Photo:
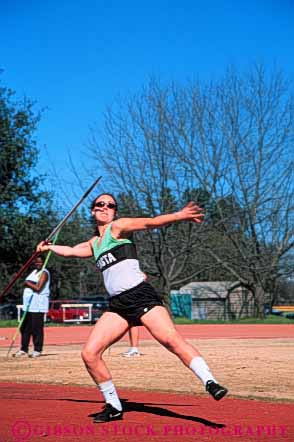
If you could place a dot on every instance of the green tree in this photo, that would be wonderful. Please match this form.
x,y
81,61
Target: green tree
x,y
26,214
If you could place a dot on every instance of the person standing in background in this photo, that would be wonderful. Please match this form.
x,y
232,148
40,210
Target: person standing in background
x,y
134,339
35,305
134,343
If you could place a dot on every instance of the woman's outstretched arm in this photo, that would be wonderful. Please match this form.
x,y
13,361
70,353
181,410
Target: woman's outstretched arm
x,y
191,212
82,250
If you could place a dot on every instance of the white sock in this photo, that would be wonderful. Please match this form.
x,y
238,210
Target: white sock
x,y
201,369
110,395
133,350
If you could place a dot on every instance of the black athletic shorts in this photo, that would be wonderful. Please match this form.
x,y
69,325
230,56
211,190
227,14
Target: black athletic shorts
x,y
134,303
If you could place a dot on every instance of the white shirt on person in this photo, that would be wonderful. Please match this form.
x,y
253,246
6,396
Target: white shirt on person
x,y
40,300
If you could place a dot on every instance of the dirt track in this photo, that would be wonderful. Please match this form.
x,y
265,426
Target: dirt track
x,y
250,368
252,361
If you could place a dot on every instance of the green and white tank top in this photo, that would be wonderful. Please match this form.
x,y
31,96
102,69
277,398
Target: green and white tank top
x,y
117,259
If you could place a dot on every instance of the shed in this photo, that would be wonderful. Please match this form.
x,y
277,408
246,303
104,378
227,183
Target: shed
x,y
217,300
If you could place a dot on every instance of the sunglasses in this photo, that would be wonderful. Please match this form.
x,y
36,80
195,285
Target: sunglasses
x,y
103,204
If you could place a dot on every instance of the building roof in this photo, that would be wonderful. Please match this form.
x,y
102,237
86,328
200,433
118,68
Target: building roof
x,y
208,289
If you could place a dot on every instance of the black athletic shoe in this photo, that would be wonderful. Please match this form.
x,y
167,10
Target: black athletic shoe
x,y
216,390
109,413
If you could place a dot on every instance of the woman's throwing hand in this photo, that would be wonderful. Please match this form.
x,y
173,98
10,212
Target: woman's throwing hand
x,y
192,212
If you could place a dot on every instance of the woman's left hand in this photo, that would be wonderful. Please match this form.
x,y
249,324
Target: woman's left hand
x,y
192,212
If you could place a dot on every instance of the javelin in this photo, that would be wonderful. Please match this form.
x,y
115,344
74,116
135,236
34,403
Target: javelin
x,y
52,234
31,298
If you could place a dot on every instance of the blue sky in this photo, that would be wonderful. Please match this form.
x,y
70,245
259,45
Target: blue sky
x,y
75,57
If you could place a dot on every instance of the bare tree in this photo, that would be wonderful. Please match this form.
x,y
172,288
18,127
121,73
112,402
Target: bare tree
x,y
135,154
242,148
233,140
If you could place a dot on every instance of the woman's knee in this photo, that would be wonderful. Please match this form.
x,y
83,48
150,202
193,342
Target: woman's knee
x,y
90,356
86,356
173,341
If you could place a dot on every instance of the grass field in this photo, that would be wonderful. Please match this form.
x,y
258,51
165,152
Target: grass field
x,y
270,319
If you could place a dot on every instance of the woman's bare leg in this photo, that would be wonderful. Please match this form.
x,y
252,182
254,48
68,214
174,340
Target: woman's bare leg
x,y
108,330
160,325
